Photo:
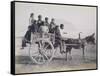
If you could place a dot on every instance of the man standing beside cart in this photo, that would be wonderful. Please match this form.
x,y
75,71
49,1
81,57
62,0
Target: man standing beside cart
x,y
32,28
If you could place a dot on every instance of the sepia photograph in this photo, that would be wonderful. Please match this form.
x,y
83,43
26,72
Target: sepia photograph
x,y
52,37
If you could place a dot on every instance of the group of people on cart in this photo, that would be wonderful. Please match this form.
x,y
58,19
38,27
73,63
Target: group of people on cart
x,y
43,26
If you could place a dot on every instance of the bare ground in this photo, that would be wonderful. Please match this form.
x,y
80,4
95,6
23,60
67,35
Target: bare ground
x,y
24,64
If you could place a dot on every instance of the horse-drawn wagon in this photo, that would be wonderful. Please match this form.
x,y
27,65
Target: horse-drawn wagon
x,y
42,49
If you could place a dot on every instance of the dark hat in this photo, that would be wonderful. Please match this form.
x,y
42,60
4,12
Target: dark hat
x,y
46,18
34,21
56,26
61,25
39,16
42,22
31,14
52,19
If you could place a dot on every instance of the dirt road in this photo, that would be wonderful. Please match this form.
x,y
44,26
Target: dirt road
x,y
25,65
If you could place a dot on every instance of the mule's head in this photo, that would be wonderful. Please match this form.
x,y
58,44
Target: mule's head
x,y
90,39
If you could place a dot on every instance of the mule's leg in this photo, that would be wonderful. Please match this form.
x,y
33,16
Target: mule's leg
x,y
83,53
68,49
66,56
83,47
66,52
70,53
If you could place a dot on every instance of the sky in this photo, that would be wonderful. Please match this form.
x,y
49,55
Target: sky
x,y
75,18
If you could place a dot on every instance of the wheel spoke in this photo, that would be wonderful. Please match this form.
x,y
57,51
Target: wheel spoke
x,y
50,52
36,56
44,54
43,58
42,45
45,48
39,59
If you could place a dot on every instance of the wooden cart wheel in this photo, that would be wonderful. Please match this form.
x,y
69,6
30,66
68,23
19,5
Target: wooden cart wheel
x,y
41,51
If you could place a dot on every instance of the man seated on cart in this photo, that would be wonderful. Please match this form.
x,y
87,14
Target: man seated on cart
x,y
52,26
31,28
34,27
39,22
63,36
59,37
46,23
43,30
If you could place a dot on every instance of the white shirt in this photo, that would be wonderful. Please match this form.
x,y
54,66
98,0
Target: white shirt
x,y
31,20
63,33
44,29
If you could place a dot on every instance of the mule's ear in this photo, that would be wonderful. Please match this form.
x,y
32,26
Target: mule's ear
x,y
93,34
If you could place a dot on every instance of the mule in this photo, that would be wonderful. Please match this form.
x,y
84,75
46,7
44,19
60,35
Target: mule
x,y
79,44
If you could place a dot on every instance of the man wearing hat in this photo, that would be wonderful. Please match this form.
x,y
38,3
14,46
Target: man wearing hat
x,y
63,36
31,19
39,21
46,23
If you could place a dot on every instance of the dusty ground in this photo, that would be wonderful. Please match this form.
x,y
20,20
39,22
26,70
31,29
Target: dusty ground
x,y
25,65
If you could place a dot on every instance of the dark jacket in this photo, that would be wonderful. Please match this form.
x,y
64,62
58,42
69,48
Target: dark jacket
x,y
39,23
28,35
57,33
34,28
